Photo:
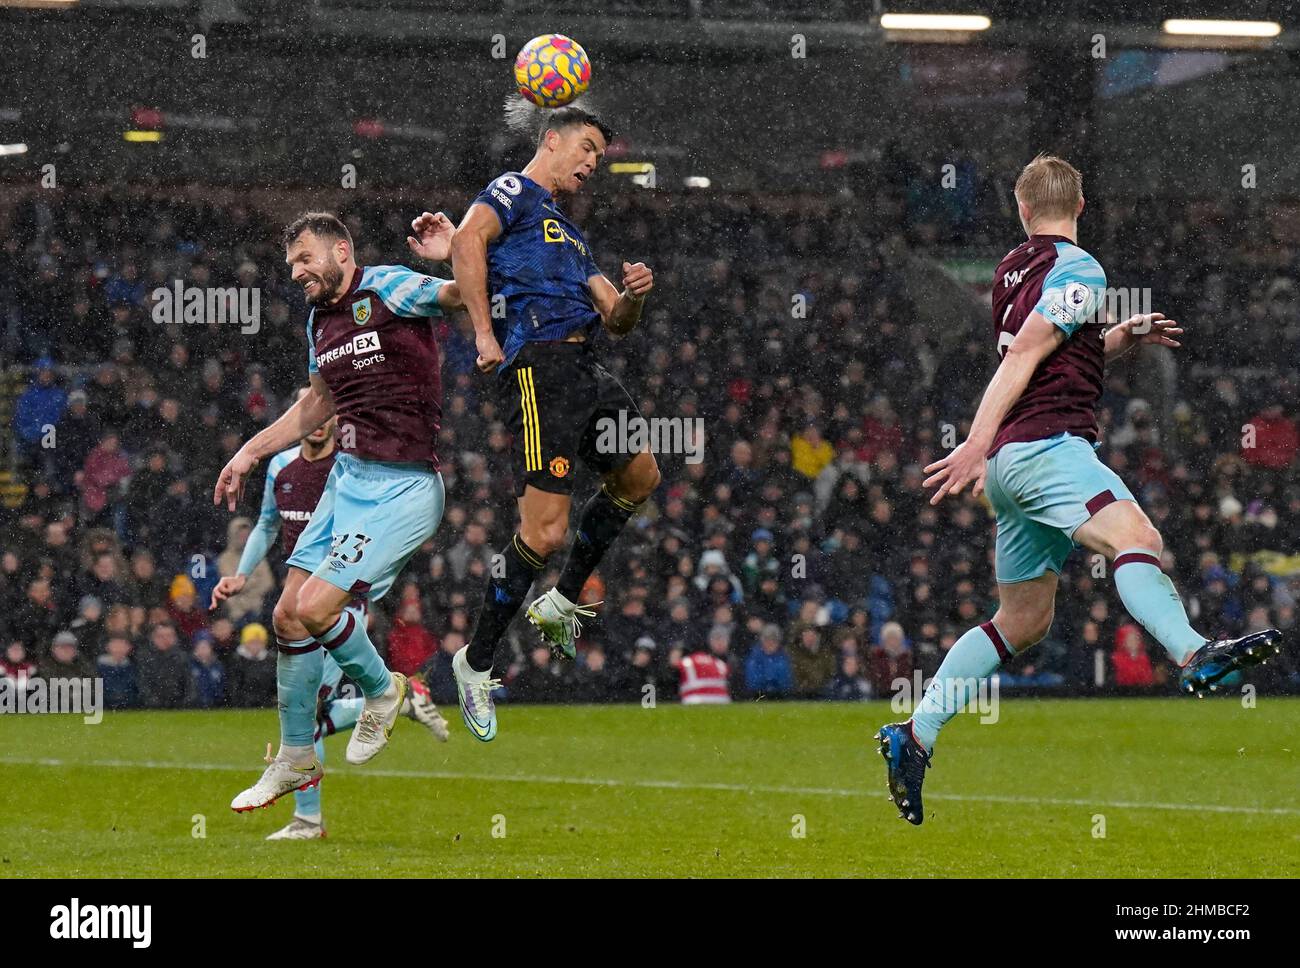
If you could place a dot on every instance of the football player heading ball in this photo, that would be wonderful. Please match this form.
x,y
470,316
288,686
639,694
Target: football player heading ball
x,y
517,244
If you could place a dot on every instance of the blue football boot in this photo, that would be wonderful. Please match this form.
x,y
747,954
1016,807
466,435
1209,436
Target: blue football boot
x,y
907,761
1215,660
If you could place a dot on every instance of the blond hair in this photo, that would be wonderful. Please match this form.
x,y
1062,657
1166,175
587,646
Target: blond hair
x,y
1050,187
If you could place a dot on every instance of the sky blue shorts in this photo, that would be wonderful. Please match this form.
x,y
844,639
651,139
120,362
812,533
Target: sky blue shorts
x,y
1042,490
371,518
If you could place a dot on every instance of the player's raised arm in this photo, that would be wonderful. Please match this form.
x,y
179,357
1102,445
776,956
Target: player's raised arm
x,y
621,311
1141,328
308,413
469,246
259,540
1037,340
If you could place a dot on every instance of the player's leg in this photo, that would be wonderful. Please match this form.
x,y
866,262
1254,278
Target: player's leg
x,y
308,822
1120,530
298,670
1023,618
627,483
382,514
605,515
1029,557
543,521
337,713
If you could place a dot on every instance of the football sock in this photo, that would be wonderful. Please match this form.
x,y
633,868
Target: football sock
x,y
297,677
306,803
1151,598
340,715
351,648
300,756
973,658
603,520
501,600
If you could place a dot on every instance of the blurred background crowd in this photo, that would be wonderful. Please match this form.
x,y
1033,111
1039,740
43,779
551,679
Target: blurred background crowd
x,y
798,559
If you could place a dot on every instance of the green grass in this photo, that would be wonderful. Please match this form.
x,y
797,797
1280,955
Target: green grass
x,y
626,791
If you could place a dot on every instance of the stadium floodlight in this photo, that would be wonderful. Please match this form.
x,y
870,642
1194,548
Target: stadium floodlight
x,y
142,136
934,21
18,149
1223,28
697,181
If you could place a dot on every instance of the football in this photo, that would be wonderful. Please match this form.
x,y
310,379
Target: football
x,y
552,70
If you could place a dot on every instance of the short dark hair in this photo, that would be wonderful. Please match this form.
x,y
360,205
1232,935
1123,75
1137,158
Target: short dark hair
x,y
327,225
569,116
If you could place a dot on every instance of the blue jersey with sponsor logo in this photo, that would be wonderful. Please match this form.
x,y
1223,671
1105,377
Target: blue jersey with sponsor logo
x,y
539,264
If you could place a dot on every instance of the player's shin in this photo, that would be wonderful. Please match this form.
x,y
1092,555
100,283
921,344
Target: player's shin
x,y
298,675
1150,597
505,592
972,659
603,520
306,803
350,646
341,715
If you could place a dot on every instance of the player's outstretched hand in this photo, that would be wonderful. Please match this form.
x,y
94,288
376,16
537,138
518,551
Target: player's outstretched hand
x,y
965,465
637,279
489,352
1151,328
230,485
432,236
228,587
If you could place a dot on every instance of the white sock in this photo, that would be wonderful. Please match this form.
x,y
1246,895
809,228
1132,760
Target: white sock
x,y
298,756
467,671
309,817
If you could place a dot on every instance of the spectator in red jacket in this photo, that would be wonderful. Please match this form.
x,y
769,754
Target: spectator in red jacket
x,y
183,608
105,469
1276,439
16,665
1131,663
410,644
889,661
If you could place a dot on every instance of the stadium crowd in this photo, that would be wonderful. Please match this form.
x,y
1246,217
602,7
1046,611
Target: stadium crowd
x,y
798,558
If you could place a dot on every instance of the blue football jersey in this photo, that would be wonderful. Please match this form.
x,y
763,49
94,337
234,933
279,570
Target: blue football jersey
x,y
540,264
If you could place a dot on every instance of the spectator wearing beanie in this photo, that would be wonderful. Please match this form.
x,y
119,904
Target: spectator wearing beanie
x,y
183,608
65,660
251,680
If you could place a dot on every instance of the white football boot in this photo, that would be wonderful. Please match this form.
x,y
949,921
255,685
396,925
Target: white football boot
x,y
280,777
299,829
474,692
556,618
370,735
419,706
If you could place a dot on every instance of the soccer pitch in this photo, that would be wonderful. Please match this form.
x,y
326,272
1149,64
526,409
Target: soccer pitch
x,y
1180,788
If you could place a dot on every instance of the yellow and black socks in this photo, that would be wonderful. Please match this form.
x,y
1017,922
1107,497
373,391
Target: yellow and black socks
x,y
511,577
603,520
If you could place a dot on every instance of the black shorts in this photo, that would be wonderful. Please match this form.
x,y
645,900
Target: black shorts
x,y
558,401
